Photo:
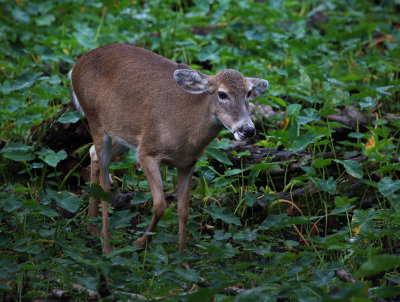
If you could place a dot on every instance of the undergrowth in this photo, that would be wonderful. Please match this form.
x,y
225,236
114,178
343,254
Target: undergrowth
x,y
316,192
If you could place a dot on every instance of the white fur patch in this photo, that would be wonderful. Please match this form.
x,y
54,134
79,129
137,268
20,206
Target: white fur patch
x,y
93,154
75,100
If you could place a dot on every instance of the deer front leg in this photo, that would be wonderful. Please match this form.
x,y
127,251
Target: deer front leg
x,y
184,183
151,167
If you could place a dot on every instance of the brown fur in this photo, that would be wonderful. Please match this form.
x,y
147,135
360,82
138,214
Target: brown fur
x,y
130,94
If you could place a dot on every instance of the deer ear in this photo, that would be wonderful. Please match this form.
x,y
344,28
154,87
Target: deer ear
x,y
191,81
256,86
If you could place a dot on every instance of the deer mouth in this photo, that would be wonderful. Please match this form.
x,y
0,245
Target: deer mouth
x,y
239,136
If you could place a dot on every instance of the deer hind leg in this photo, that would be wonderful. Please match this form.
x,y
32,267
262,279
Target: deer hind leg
x,y
151,167
101,153
93,203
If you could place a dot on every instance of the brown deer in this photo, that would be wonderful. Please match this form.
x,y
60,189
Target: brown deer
x,y
168,112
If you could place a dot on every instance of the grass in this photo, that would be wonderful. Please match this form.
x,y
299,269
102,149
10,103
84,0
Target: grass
x,y
278,227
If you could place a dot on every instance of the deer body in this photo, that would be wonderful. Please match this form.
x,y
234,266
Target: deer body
x,y
134,98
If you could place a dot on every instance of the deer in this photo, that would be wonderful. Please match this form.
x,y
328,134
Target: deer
x,y
168,112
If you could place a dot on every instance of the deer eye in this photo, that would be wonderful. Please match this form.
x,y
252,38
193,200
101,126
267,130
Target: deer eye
x,y
222,95
249,94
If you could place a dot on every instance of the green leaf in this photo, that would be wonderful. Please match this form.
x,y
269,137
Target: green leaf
x,y
121,218
221,235
293,109
335,82
68,201
245,235
50,157
387,186
385,292
377,264
328,185
383,89
255,35
140,197
188,274
321,162
224,214
352,167
209,53
368,103
275,222
10,204
250,199
307,115
302,141
89,282
48,212
70,117
25,80
97,192
218,155
18,152
223,181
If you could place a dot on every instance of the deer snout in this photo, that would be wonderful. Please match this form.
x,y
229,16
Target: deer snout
x,y
247,131
244,131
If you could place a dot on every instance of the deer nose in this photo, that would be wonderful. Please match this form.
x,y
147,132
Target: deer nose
x,y
248,131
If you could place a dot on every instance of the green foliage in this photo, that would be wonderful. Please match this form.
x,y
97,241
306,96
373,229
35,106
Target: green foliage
x,y
320,57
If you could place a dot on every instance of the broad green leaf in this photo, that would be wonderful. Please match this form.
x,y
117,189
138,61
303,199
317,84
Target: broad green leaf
x,y
233,172
377,264
10,204
25,80
68,201
383,89
245,235
293,109
223,181
321,162
70,117
368,103
387,186
352,167
335,82
250,198
275,222
50,157
188,274
221,235
328,185
209,53
218,155
48,212
121,218
255,35
302,141
224,214
97,192
18,152
323,277
89,282
140,197
307,115
385,292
